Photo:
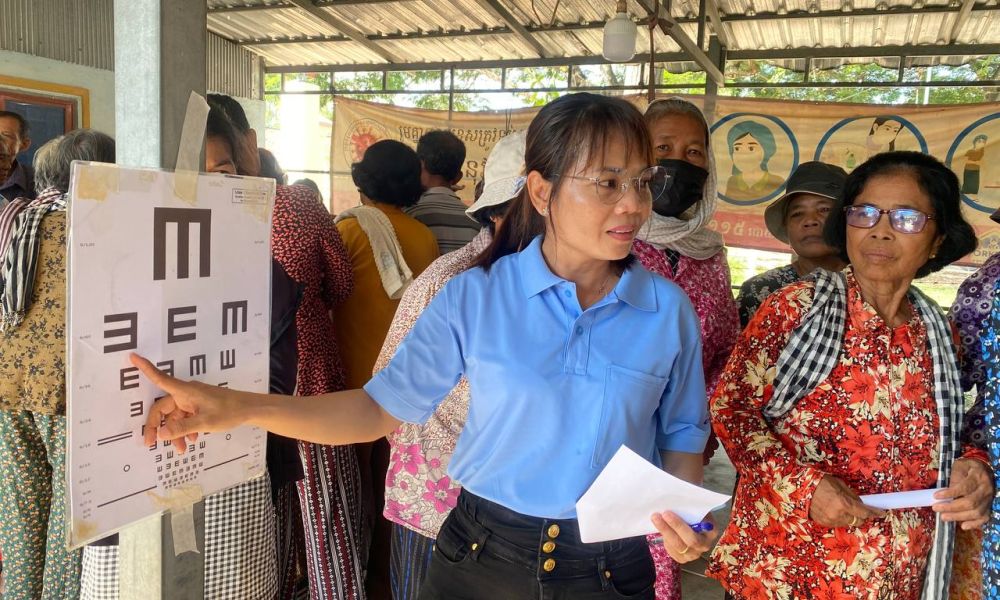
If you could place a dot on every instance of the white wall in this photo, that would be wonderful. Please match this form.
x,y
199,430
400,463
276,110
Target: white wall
x,y
99,82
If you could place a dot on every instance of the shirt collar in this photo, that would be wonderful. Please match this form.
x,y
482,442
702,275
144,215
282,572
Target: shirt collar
x,y
637,289
19,176
440,190
536,277
636,286
388,209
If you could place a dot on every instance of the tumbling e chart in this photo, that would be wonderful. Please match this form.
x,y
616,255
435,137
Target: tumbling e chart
x,y
176,268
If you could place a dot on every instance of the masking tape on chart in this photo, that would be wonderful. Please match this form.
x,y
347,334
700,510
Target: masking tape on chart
x,y
180,502
189,151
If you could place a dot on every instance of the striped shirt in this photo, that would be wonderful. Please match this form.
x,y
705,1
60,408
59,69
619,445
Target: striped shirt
x,y
441,210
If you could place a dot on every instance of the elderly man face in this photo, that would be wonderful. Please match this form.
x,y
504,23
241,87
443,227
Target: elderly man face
x,y
11,143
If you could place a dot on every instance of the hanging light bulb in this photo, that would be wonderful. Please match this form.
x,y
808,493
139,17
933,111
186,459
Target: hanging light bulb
x,y
619,36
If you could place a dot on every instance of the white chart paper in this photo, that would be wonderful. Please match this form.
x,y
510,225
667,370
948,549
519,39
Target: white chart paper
x,y
893,500
186,283
629,490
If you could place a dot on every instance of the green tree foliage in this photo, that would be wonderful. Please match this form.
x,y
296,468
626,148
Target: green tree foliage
x,y
762,72
481,89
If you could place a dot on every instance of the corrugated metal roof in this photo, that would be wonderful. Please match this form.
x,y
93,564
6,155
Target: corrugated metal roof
x,y
870,23
82,33
76,32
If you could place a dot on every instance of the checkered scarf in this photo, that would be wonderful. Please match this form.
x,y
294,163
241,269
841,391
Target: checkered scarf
x,y
813,351
19,223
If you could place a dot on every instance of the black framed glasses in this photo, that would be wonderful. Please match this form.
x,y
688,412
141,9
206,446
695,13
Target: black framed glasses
x,y
609,188
903,220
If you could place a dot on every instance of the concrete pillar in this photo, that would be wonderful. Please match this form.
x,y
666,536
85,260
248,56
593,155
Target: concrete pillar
x,y
159,60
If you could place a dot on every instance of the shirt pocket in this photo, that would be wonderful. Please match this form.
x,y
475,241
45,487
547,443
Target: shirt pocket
x,y
628,412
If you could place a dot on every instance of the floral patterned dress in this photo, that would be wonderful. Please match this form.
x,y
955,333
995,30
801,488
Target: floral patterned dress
x,y
872,423
306,243
707,284
991,384
757,288
971,313
419,493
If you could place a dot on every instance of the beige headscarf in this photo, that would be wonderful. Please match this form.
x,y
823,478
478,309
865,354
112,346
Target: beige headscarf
x,y
688,234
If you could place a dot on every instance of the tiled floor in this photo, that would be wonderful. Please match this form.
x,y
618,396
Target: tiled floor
x,y
720,477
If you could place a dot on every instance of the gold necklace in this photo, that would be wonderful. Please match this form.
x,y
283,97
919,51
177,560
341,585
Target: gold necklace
x,y
600,291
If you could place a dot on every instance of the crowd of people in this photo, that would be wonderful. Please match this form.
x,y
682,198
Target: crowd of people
x,y
446,381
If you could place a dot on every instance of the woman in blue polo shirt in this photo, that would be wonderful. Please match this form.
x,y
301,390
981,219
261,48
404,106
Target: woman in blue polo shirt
x,y
570,350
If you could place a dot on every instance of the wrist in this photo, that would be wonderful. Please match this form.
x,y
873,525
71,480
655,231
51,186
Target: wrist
x,y
256,407
981,459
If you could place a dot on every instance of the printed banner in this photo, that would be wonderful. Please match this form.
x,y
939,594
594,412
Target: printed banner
x,y
176,268
757,144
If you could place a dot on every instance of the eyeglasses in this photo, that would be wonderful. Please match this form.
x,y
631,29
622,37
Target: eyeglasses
x,y
903,220
611,187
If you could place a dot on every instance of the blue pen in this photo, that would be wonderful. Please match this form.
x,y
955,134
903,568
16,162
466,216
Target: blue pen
x,y
703,527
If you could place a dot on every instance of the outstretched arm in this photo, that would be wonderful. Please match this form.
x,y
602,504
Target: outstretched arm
x,y
191,407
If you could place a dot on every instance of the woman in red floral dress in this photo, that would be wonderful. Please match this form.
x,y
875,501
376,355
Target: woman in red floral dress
x,y
306,243
676,244
847,384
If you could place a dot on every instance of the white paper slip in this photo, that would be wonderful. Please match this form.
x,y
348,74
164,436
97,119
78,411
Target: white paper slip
x,y
914,499
629,490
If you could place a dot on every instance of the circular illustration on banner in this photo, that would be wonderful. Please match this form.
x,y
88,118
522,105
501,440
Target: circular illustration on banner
x,y
856,139
754,154
362,134
973,157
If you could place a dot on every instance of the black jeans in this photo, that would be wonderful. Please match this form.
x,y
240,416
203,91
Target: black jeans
x,y
487,552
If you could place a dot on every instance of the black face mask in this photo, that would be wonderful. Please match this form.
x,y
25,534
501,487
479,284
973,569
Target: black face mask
x,y
681,188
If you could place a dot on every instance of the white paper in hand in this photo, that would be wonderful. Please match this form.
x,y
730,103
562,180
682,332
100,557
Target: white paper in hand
x,y
894,500
629,490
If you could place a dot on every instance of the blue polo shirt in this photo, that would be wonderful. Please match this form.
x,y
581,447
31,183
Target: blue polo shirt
x,y
555,390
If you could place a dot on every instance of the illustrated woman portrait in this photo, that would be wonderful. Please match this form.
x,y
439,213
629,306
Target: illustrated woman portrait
x,y
881,137
751,146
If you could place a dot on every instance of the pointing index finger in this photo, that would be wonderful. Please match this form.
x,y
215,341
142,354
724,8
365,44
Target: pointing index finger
x,y
159,378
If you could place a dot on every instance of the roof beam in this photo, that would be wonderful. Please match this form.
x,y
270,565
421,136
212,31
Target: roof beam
x,y
879,84
322,39
418,35
517,90
288,4
717,25
516,26
670,28
355,2
734,18
866,51
249,7
856,52
963,16
558,61
834,14
343,27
